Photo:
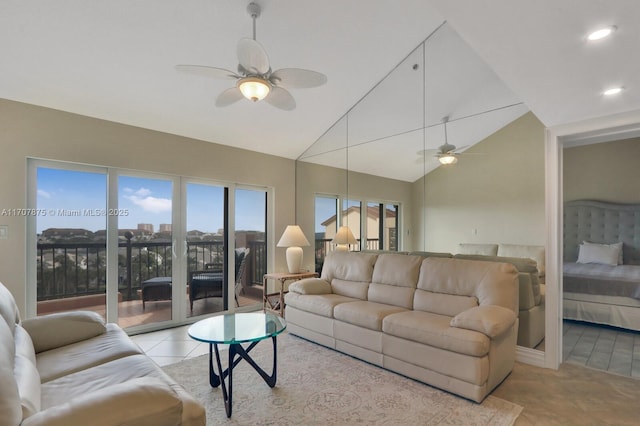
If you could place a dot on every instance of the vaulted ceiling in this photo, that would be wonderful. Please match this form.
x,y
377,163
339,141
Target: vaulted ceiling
x,y
116,60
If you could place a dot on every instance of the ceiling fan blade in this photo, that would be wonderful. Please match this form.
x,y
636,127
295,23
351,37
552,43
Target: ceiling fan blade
x,y
298,78
229,97
281,98
208,71
252,56
447,147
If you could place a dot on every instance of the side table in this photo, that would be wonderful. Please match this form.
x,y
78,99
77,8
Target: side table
x,y
274,302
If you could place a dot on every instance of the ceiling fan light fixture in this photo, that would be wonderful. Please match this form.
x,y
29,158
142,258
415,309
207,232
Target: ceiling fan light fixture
x,y
601,33
254,88
447,159
612,91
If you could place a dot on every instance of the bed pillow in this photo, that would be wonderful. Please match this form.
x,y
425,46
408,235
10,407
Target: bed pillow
x,y
598,253
617,246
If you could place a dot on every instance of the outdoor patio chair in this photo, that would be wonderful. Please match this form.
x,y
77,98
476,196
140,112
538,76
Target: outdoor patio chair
x,y
208,283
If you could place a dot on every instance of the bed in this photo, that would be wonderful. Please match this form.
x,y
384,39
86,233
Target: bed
x,y
601,271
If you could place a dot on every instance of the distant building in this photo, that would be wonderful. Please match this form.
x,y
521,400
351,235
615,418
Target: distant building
x,y
145,227
164,227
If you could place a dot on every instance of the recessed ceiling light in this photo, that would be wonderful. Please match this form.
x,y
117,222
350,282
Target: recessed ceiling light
x,y
601,33
612,91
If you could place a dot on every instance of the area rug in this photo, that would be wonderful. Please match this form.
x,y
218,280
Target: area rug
x,y
319,386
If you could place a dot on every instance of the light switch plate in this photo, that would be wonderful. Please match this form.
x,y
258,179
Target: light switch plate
x,y
4,232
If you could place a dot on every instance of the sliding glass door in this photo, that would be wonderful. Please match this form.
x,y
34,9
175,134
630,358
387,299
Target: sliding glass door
x,y
250,257
143,250
69,226
206,281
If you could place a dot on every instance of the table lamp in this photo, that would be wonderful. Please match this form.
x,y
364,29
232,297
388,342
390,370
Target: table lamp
x,y
293,238
344,237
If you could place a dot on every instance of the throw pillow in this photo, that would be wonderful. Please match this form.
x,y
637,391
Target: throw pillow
x,y
616,246
598,253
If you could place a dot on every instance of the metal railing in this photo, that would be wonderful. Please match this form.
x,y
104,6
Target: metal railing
x,y
78,269
323,247
74,269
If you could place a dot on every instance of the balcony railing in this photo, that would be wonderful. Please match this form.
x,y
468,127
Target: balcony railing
x,y
323,246
79,269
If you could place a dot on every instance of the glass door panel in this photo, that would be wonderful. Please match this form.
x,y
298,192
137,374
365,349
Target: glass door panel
x,y
71,244
351,216
391,213
326,226
382,226
205,238
145,252
251,248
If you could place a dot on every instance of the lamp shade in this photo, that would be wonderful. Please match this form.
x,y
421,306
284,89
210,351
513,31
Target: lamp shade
x,y
293,237
344,236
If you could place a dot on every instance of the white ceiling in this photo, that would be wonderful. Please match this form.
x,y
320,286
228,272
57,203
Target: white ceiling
x,y
115,59
539,49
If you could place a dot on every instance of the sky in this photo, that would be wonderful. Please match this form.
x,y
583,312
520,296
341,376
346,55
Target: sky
x,y
77,199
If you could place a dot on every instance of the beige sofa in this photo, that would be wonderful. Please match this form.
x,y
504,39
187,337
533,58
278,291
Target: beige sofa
x,y
73,369
451,323
531,293
527,251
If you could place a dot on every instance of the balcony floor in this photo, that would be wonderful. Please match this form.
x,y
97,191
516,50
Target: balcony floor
x,y
130,313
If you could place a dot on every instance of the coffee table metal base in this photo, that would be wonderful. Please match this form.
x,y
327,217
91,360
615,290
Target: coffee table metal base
x,y
216,380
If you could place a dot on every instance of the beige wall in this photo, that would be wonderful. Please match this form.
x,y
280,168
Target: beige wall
x,y
499,195
604,172
30,131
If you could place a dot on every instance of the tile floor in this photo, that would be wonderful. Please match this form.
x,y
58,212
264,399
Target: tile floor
x,y
169,346
602,347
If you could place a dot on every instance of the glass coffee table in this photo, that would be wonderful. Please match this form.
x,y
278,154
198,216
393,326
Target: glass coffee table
x,y
235,329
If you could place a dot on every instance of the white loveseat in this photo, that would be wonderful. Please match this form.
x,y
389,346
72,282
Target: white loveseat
x,y
73,369
450,323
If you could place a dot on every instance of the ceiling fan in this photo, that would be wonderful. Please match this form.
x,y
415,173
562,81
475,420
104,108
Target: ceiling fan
x,y
255,80
446,153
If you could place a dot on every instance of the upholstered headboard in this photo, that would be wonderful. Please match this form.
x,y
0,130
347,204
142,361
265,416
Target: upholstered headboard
x,y
602,222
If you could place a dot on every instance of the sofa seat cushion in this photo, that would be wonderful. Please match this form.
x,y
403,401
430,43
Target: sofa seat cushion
x,y
68,359
319,304
365,314
65,388
435,330
113,373
144,401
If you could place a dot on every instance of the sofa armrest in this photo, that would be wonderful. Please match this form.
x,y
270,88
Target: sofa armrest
x,y
311,286
56,330
142,401
489,320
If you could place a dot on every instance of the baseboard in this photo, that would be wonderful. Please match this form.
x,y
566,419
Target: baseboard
x,y
530,356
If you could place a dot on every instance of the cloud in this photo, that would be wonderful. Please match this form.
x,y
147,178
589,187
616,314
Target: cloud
x,y
150,204
142,192
43,193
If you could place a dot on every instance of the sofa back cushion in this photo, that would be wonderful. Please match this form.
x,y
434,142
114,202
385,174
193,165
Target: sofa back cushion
x,y
349,273
8,308
26,373
394,279
536,253
11,412
442,304
528,277
484,249
491,283
430,254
